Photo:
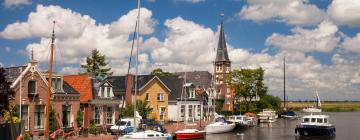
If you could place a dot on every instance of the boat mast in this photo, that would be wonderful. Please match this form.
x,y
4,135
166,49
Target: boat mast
x,y
136,64
284,86
46,133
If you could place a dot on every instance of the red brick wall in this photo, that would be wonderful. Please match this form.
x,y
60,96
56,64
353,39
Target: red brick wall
x,y
41,90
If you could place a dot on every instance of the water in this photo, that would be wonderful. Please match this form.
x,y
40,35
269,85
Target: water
x,y
347,128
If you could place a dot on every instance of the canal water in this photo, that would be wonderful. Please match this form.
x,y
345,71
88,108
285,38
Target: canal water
x,y
347,128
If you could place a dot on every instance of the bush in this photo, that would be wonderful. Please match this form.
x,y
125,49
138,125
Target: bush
x,y
92,128
79,118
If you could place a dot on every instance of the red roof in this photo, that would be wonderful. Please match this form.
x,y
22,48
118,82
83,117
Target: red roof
x,y
82,84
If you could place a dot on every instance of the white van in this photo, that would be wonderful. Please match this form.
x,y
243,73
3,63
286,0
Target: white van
x,y
126,125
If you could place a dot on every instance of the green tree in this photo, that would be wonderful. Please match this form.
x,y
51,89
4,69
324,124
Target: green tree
x,y
141,106
79,118
5,92
248,83
96,64
160,72
12,114
269,101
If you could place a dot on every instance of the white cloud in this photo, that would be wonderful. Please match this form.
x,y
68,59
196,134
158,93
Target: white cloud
x,y
69,24
321,39
7,49
126,23
345,12
70,70
14,3
77,35
352,44
294,12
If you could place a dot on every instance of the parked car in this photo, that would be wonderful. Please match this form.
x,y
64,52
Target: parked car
x,y
126,125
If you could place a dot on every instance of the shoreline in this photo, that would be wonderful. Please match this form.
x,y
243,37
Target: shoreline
x,y
328,106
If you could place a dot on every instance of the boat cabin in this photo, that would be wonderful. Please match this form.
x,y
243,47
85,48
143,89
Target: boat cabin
x,y
315,119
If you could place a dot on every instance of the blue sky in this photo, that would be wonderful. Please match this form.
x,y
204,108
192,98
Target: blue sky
x,y
319,38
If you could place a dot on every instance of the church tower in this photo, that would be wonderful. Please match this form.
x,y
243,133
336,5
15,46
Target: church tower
x,y
222,69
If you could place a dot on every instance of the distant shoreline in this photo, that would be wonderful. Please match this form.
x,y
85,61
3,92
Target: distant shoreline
x,y
328,106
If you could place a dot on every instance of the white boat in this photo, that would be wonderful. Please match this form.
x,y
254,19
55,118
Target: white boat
x,y
316,108
239,120
267,116
315,125
146,135
219,126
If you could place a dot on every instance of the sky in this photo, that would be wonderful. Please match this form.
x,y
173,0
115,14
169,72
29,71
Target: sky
x,y
319,38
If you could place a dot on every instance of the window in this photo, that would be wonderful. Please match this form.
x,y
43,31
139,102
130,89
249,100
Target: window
x,y
313,120
108,92
198,110
160,97
56,83
325,120
182,110
25,116
102,91
319,120
190,111
66,111
39,116
306,120
147,97
32,87
162,113
109,115
97,113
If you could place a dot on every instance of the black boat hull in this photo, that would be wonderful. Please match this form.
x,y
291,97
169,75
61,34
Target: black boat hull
x,y
309,130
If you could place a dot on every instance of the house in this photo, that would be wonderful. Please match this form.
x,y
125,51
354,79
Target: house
x,y
151,89
30,86
199,83
97,100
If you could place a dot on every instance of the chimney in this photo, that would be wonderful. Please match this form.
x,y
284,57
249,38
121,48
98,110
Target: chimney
x,y
129,84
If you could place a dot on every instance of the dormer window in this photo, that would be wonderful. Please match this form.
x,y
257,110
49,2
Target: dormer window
x,y
32,87
56,83
108,92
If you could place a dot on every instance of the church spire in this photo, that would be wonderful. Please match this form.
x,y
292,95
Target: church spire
x,y
222,54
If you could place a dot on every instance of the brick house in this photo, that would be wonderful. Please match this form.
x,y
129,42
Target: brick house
x,y
97,100
30,86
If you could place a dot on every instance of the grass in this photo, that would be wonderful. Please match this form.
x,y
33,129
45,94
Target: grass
x,y
328,106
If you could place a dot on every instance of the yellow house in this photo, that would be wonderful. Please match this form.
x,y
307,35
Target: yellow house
x,y
156,93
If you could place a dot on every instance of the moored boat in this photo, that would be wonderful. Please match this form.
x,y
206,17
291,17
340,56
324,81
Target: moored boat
x,y
316,108
240,121
189,134
288,115
267,116
146,135
219,126
315,125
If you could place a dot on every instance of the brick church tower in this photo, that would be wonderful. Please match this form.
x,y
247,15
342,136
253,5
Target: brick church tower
x,y
222,69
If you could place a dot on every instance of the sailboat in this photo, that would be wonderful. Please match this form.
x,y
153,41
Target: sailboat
x,y
188,133
316,108
146,134
287,113
220,125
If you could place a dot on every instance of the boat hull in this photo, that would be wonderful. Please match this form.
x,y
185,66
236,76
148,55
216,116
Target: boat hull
x,y
215,129
309,130
186,136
